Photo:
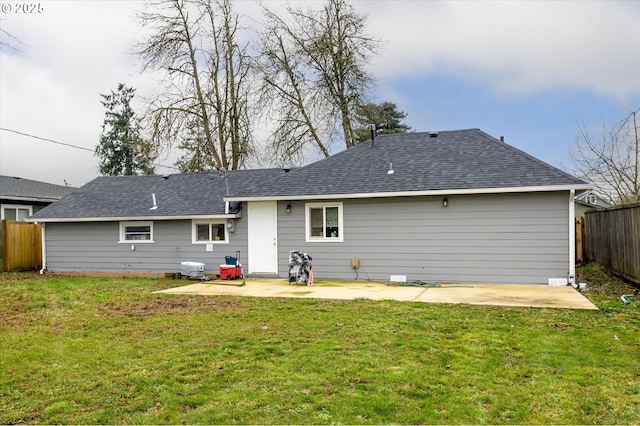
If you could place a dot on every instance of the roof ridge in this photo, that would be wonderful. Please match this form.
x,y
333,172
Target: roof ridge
x,y
424,132
284,170
39,182
525,154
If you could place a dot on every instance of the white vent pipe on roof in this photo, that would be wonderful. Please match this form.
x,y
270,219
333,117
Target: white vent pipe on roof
x,y
155,205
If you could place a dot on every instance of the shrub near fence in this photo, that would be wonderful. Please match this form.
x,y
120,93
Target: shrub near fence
x,y
20,246
613,239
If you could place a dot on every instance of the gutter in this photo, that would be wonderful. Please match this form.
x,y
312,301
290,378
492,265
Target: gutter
x,y
572,238
130,218
436,192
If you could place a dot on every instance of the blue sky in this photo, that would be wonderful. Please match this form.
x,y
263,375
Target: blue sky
x,y
544,124
531,71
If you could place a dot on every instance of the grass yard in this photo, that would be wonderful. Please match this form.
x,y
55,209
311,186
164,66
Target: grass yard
x,y
96,350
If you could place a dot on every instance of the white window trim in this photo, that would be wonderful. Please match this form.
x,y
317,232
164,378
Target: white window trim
x,y
123,226
194,231
323,239
14,206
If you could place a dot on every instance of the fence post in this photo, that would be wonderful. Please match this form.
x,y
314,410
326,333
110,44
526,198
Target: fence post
x,y
580,240
3,245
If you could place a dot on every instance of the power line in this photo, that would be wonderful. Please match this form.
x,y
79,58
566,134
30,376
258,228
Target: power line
x,y
45,139
69,145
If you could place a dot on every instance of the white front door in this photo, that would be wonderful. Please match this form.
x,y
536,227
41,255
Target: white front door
x,y
263,237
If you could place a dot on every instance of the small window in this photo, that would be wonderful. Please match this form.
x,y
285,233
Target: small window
x,y
15,213
324,222
210,232
138,232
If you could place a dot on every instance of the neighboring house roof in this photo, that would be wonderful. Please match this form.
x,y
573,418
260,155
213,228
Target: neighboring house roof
x,y
460,161
128,197
585,204
592,199
19,189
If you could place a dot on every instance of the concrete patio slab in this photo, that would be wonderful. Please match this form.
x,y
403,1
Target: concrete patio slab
x,y
540,296
508,295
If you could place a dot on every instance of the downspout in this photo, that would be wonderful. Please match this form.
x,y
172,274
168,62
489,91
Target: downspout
x,y
44,249
572,238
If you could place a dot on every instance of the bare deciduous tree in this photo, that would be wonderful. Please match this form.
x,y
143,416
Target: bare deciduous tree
x,y
194,43
610,159
314,68
290,98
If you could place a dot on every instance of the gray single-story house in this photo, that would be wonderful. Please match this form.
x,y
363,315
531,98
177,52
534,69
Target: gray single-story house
x,y
450,206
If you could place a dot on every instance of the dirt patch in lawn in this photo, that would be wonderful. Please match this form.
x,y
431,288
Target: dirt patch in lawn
x,y
164,306
28,298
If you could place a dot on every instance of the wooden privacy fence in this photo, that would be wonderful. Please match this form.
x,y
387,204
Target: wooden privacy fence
x,y
613,239
20,246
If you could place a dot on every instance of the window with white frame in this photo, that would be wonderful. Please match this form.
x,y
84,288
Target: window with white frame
x,y
211,231
16,213
324,222
136,232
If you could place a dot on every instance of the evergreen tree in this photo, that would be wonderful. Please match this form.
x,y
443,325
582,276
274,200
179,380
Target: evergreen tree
x,y
121,150
197,157
385,116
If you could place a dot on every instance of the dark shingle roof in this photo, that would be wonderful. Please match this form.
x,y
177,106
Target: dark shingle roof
x,y
449,160
15,188
183,195
460,160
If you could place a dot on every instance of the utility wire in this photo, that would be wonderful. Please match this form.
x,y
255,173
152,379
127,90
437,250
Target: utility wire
x,y
45,139
69,145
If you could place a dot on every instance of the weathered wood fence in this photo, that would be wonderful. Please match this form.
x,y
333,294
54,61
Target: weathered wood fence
x,y
613,239
20,246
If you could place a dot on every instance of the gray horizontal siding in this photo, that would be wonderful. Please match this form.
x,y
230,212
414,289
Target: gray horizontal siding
x,y
502,238
94,247
508,238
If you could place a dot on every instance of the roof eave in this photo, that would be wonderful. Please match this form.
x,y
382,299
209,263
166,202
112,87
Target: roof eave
x,y
38,199
436,192
129,218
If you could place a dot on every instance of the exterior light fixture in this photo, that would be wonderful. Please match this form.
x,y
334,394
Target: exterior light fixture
x,y
445,202
288,208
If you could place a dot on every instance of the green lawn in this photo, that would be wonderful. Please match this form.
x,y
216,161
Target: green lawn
x,y
95,350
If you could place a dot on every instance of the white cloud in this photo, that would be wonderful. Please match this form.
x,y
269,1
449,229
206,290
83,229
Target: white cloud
x,y
76,50
72,52
516,46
